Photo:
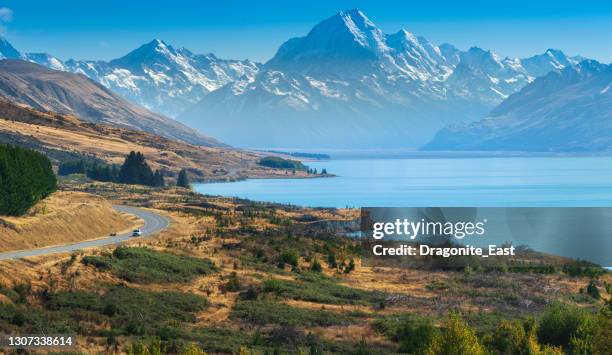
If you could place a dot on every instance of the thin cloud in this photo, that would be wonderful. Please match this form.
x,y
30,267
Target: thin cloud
x,y
6,14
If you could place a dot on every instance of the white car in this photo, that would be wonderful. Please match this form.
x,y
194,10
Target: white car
x,y
136,233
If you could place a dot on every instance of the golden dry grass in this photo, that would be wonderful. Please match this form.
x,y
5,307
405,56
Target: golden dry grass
x,y
64,217
66,133
408,285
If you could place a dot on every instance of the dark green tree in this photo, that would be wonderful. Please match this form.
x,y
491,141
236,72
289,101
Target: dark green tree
x,y
72,167
135,170
158,179
26,177
183,180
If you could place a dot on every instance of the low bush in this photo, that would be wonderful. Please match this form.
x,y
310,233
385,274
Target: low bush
x,y
315,287
455,338
413,333
144,265
560,322
268,312
288,257
131,310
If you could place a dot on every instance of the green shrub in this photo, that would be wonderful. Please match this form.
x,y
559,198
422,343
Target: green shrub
x,y
269,312
559,323
315,287
592,290
512,337
100,262
133,311
144,265
583,268
315,266
233,284
583,340
288,257
413,333
602,337
455,338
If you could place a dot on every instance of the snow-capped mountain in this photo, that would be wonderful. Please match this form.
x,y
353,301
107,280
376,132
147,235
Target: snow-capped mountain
x,y
569,109
345,84
44,89
7,51
155,75
162,78
46,60
348,84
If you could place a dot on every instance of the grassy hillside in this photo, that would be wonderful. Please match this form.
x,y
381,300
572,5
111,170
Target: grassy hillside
x,y
65,138
62,218
232,274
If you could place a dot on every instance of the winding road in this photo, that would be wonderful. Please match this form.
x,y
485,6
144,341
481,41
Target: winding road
x,y
153,223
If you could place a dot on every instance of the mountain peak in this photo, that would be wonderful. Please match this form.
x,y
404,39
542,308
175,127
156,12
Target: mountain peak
x,y
478,57
357,16
346,37
555,52
148,51
352,22
157,44
7,51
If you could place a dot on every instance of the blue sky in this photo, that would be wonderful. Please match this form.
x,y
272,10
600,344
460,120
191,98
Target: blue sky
x,y
254,29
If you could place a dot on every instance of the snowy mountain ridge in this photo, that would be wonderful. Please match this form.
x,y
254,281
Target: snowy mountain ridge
x,y
155,75
567,110
344,75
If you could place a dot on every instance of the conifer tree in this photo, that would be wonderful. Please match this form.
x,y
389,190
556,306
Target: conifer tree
x,y
26,177
135,170
183,180
158,179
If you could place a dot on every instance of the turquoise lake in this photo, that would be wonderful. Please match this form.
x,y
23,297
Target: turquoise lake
x,y
420,182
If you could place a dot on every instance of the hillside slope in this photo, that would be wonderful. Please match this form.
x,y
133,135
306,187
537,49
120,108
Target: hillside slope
x,y
65,93
63,137
568,110
63,217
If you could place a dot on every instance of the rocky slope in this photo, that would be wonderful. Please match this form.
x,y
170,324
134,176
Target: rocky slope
x,y
568,110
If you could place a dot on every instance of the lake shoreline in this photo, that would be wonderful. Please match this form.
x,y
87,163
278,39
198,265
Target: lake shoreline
x,y
476,181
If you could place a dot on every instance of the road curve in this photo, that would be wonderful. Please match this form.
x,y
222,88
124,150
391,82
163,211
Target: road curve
x,y
153,223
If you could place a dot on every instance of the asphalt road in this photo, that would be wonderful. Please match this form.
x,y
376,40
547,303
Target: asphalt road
x,y
153,223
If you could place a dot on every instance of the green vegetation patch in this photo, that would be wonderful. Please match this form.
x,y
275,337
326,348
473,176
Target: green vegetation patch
x,y
269,312
26,177
280,163
314,287
144,265
413,333
132,310
126,311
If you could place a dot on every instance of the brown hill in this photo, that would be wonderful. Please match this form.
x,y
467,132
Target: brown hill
x,y
63,137
64,217
74,94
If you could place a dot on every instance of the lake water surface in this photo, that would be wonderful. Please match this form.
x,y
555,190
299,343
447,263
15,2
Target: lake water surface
x,y
420,182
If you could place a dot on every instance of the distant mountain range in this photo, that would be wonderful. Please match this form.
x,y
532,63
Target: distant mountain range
x,y
155,75
346,84
568,110
45,89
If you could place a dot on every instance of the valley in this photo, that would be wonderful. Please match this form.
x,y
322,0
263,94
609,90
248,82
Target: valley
x,y
158,200
228,267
